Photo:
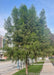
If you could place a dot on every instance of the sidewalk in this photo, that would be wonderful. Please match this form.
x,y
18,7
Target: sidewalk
x,y
48,68
11,73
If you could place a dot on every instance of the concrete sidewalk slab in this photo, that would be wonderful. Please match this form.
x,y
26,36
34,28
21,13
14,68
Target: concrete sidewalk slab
x,y
48,68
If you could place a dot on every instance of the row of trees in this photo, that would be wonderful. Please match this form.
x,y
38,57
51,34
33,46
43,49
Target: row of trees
x,y
29,34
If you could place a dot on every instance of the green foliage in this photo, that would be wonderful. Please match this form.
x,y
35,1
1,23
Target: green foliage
x,y
29,34
9,52
15,17
8,25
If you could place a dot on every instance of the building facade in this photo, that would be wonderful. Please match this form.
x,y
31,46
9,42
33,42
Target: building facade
x,y
1,41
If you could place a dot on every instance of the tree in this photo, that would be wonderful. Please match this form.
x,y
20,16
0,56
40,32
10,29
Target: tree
x,y
20,36
15,17
44,33
29,34
8,27
35,47
25,34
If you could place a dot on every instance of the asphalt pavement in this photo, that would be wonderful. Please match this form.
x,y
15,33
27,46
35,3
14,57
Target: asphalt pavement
x,y
8,68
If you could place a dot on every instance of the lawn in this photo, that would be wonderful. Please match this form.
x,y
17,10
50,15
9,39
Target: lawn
x,y
52,60
31,69
39,62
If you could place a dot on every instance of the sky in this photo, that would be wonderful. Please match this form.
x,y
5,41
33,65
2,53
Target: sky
x,y
6,7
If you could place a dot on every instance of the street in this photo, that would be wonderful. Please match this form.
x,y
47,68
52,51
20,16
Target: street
x,y
6,68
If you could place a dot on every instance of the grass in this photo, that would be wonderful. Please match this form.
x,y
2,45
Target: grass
x,y
52,60
31,69
40,62
35,68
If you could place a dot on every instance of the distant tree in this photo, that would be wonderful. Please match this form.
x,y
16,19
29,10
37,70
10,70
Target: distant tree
x,y
8,27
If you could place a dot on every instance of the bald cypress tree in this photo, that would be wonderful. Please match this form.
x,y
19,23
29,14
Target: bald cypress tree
x,y
29,33
44,32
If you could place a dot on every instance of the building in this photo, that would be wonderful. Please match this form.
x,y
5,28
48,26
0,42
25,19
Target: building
x,y
2,43
2,54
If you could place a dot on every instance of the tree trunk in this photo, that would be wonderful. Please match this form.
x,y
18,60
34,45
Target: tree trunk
x,y
35,59
26,67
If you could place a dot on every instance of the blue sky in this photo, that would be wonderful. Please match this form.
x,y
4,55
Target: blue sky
x,y
6,7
